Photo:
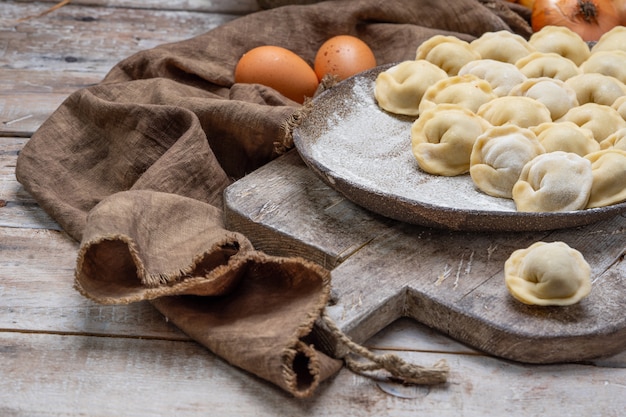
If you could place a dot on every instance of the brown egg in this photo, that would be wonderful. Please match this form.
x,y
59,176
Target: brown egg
x,y
343,56
278,68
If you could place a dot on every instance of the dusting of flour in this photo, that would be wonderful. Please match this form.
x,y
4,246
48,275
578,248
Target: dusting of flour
x,y
354,139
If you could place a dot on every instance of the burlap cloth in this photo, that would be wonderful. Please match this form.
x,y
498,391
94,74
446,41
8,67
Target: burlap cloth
x,y
134,168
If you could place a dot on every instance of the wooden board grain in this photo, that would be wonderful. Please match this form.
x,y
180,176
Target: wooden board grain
x,y
43,60
451,281
212,6
44,299
77,375
332,228
17,207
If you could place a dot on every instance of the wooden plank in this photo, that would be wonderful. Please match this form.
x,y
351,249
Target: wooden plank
x,y
37,294
43,60
21,115
452,281
51,43
17,207
29,96
213,6
409,335
73,375
332,229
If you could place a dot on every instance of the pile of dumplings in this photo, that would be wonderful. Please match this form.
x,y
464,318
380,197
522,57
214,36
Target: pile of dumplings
x,y
539,121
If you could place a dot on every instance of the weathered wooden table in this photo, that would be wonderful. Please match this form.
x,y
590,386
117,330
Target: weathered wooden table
x,y
61,354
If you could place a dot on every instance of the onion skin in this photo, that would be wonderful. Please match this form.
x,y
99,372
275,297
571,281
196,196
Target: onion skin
x,y
588,18
620,7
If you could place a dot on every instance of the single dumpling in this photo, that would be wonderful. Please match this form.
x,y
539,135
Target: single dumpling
x,y
502,76
547,64
548,274
608,167
518,110
614,39
611,63
553,182
447,52
466,90
502,46
592,87
558,97
566,137
616,140
442,139
600,119
400,88
498,157
562,41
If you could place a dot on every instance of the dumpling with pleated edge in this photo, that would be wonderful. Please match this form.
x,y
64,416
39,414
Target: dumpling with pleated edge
x,y
498,157
502,76
547,64
502,46
442,139
517,110
447,52
608,167
399,89
566,137
558,97
562,41
467,90
548,274
591,87
602,120
553,182
612,63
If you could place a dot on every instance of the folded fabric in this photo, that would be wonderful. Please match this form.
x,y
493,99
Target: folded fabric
x,y
134,168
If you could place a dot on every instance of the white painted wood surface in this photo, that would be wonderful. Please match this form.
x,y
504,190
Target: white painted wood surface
x,y
63,355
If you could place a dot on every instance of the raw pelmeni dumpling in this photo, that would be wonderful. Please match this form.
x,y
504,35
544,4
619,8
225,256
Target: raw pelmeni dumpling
x,y
558,97
400,88
600,119
466,90
447,52
592,87
547,64
611,63
566,137
560,40
614,39
548,274
616,140
608,167
553,182
498,157
502,46
502,76
518,110
442,139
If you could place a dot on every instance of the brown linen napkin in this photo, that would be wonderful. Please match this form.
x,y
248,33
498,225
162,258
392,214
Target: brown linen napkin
x,y
135,166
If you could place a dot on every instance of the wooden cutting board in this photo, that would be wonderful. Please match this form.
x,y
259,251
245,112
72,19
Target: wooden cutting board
x,y
384,269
